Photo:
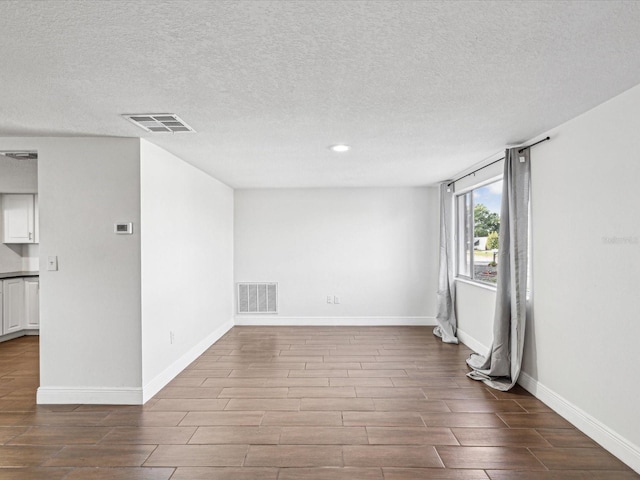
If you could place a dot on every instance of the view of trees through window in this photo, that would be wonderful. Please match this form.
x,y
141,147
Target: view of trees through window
x,y
478,225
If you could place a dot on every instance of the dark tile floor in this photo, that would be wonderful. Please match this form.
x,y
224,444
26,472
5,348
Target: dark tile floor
x,y
298,403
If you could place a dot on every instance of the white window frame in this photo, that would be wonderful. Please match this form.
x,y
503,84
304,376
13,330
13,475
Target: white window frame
x,y
460,276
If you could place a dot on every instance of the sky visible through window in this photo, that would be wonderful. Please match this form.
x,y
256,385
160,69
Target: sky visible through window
x,y
490,196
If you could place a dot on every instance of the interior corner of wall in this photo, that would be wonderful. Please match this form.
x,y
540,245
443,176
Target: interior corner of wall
x,y
154,385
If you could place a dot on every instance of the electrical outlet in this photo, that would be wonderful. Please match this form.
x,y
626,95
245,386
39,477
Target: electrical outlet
x,y
329,299
336,300
172,337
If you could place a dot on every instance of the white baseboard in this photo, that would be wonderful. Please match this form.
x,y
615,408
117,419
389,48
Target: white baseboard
x,y
168,374
89,395
619,446
472,343
128,396
274,320
11,336
18,334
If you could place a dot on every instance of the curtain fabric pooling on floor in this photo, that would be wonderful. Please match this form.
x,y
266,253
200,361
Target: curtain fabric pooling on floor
x,y
446,316
501,367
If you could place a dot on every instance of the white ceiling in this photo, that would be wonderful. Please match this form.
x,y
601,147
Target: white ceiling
x,y
419,89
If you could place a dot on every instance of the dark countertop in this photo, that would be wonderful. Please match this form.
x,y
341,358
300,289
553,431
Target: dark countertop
x,y
4,276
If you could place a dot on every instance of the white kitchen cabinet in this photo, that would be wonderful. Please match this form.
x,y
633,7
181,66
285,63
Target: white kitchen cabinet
x,y
13,305
1,311
36,220
19,218
32,303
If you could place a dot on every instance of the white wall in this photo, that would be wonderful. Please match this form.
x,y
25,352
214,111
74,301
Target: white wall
x,y
581,347
187,264
31,257
18,176
10,258
374,248
90,308
474,311
19,258
585,332
91,344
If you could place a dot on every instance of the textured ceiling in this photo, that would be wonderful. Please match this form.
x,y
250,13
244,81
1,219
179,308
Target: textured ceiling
x,y
420,90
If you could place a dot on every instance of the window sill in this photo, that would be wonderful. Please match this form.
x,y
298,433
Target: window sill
x,y
476,284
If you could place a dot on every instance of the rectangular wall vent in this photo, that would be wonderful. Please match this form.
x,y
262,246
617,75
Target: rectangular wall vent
x,y
159,122
257,298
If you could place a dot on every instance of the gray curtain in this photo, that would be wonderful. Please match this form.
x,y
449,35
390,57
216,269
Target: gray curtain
x,y
501,367
446,315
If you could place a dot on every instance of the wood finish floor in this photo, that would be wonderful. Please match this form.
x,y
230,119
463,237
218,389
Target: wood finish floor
x,y
298,403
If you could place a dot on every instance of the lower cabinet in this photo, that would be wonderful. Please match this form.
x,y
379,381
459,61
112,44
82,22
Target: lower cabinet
x,y
32,303
19,304
13,305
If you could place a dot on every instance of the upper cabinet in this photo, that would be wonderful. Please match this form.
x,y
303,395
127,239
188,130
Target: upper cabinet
x,y
20,218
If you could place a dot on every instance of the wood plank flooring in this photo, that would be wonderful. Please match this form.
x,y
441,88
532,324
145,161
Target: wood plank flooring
x,y
298,403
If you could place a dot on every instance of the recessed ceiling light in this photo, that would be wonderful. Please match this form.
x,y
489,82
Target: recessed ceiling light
x,y
340,148
159,122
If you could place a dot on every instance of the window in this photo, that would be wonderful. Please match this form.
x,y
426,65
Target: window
x,y
478,224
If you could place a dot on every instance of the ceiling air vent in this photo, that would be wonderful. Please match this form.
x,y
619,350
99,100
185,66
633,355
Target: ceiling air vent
x,y
159,122
22,155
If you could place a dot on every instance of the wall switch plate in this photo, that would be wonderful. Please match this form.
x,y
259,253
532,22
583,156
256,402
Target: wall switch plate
x,y
336,300
52,263
329,299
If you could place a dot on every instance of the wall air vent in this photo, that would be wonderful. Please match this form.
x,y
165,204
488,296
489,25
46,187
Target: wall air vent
x,y
159,122
21,155
257,298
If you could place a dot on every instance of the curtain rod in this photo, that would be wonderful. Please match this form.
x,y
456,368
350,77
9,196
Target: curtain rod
x,y
496,161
